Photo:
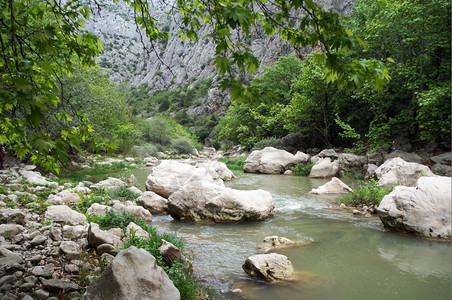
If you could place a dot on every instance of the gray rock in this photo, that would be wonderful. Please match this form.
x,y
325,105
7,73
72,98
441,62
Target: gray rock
x,y
171,254
70,249
334,186
97,237
26,287
269,161
97,209
10,215
132,275
396,170
57,285
105,248
269,267
220,168
324,168
408,157
331,153
424,210
38,240
10,230
41,294
376,158
443,159
8,258
55,234
302,157
75,232
43,271
7,279
348,161
169,176
64,214
203,201
154,203
35,178
137,230
108,184
131,208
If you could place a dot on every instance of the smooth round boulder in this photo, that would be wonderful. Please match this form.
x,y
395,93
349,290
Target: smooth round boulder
x,y
269,267
204,201
424,210
132,274
153,202
324,168
269,161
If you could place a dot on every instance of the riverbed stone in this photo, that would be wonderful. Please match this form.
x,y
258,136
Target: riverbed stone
x,y
10,230
406,156
171,254
397,171
70,249
108,184
424,210
269,267
97,236
269,161
170,175
64,214
334,186
137,230
442,159
204,201
131,208
97,209
153,202
302,157
133,275
324,168
349,161
33,177
10,215
220,168
57,285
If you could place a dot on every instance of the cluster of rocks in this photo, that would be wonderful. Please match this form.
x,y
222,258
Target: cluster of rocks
x,y
47,249
197,193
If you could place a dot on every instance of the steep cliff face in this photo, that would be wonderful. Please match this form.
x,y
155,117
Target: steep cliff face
x,y
175,62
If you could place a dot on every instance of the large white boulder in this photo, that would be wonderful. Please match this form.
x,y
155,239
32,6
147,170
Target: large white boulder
x,y
424,210
170,175
269,267
269,161
64,214
324,168
133,275
334,186
397,171
204,201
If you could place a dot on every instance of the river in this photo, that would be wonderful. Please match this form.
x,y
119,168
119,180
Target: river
x,y
350,257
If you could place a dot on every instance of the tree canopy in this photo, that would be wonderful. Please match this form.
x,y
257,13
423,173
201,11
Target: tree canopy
x,y
41,41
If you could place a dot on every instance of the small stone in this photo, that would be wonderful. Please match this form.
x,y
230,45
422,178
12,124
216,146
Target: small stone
x,y
105,248
55,234
26,287
7,279
356,212
38,240
41,294
36,258
71,268
342,206
30,279
56,285
70,249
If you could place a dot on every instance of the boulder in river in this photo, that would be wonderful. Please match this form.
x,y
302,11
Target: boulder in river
x,y
324,168
153,202
222,170
170,175
269,267
133,275
269,161
397,171
204,201
424,210
334,186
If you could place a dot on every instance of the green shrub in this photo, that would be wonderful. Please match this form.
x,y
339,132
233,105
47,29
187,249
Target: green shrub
x,y
234,163
122,193
183,145
268,142
183,281
302,169
97,196
368,193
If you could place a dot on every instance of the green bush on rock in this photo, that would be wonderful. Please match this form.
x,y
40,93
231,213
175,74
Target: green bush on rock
x,y
367,193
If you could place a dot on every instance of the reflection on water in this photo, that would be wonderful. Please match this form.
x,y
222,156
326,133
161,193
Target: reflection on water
x,y
351,258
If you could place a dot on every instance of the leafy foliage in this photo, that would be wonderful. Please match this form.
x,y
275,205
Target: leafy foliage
x,y
234,163
368,193
302,169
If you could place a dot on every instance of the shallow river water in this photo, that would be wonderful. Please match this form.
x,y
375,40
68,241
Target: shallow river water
x,y
349,257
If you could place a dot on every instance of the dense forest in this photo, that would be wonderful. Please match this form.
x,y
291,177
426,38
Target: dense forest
x,y
56,100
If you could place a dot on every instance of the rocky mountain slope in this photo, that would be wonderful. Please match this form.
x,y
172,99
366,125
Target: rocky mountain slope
x,y
174,62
